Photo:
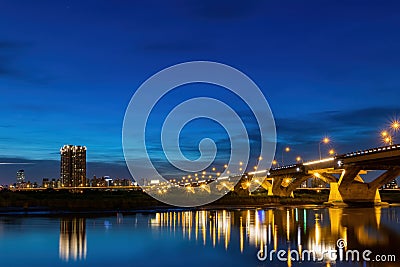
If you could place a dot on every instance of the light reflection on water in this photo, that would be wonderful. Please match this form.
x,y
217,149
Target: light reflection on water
x,y
159,238
72,239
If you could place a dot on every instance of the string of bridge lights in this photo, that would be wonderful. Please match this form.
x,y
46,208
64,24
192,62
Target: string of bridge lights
x,y
387,135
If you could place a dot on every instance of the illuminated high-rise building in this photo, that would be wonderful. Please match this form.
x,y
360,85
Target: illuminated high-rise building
x,y
73,166
20,177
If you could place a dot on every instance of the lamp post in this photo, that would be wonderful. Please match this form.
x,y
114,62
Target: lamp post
x,y
386,136
240,166
395,125
326,140
287,150
388,140
275,163
260,158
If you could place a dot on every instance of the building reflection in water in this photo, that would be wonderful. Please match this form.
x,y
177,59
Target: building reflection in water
x,y
72,243
290,229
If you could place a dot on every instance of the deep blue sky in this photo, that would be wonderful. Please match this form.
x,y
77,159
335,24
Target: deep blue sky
x,y
69,68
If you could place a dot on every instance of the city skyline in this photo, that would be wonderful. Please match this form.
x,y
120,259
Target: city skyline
x,y
69,69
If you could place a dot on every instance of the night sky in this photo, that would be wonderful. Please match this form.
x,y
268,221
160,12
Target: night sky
x,y
69,68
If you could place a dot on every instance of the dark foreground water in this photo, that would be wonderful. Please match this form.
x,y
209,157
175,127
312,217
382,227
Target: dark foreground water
x,y
205,238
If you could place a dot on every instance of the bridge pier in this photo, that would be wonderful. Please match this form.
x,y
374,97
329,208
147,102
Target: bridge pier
x,y
287,191
241,188
356,193
278,189
267,186
350,189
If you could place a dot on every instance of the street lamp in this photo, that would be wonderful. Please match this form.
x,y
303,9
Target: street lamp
x,y
387,137
395,128
388,140
240,165
298,159
274,162
326,140
260,158
287,150
395,125
331,152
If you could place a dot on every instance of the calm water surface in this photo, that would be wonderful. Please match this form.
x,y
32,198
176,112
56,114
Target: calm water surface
x,y
199,238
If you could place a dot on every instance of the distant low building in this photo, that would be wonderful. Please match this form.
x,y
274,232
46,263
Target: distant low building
x,y
122,182
391,185
53,183
317,183
98,182
28,185
106,181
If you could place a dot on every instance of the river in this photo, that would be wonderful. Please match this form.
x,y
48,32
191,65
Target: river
x,y
312,236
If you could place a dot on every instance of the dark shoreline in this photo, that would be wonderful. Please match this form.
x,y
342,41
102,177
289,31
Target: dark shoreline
x,y
102,202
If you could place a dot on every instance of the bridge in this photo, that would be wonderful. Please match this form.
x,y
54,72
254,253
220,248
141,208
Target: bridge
x,y
342,173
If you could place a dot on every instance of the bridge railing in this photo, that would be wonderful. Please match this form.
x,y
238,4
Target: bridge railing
x,y
369,151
